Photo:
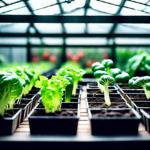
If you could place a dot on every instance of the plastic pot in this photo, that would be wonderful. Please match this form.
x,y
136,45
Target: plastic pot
x,y
114,125
8,125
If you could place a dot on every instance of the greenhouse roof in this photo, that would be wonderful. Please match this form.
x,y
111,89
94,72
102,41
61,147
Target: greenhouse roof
x,y
73,8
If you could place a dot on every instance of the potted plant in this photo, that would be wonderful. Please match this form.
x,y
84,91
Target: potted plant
x,y
114,121
11,89
53,119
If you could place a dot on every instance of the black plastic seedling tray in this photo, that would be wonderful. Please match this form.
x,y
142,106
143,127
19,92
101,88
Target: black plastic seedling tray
x,y
8,125
58,125
114,125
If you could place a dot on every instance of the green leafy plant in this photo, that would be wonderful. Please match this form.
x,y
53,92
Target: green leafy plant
x,y
105,80
75,74
97,75
52,91
140,61
10,89
108,63
136,82
69,89
33,76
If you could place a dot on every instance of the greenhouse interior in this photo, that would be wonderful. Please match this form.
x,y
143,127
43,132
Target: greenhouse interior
x,y
75,74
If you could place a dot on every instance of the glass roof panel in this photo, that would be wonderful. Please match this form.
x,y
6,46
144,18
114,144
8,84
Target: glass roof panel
x,y
14,27
117,2
130,28
48,11
75,28
134,5
52,41
2,4
21,11
141,1
86,41
99,28
36,4
73,5
79,12
10,1
132,40
49,27
92,12
18,41
127,11
103,7
35,41
11,7
147,9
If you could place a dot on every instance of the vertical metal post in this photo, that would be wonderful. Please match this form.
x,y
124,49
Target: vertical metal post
x,y
114,54
64,50
28,52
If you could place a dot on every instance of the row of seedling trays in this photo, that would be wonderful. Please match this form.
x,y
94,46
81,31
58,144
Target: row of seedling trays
x,y
137,99
118,119
31,107
13,117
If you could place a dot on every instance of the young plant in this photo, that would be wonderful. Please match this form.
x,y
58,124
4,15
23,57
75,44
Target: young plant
x,y
10,89
137,82
123,77
108,63
105,80
114,72
69,89
75,74
33,76
52,91
97,75
97,66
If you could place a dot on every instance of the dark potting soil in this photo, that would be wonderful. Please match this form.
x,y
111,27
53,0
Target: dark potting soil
x,y
148,111
113,113
66,113
103,105
126,87
116,99
10,113
137,96
93,84
24,101
143,104
19,106
28,96
133,91
139,100
99,91
72,100
73,96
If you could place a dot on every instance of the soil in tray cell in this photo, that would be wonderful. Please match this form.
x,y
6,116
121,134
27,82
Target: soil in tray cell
x,y
19,106
10,113
137,96
99,91
24,101
147,110
113,113
28,96
142,104
115,99
66,113
103,105
93,84
126,87
133,91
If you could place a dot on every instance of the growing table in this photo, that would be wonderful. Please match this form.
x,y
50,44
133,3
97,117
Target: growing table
x,y
22,140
